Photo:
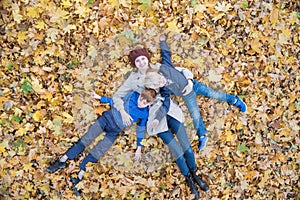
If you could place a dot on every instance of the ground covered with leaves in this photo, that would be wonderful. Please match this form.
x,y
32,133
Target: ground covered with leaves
x,y
54,52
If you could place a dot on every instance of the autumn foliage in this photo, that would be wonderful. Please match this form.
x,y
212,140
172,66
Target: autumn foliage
x,y
54,52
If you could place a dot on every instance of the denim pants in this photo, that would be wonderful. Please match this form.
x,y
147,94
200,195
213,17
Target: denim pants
x,y
182,149
105,123
203,90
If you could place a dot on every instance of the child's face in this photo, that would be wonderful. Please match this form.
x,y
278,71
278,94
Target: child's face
x,y
160,82
141,62
142,103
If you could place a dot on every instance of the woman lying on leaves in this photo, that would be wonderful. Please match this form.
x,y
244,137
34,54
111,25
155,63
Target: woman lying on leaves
x,y
181,150
169,80
137,107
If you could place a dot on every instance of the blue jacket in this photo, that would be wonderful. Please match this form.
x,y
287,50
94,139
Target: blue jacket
x,y
139,115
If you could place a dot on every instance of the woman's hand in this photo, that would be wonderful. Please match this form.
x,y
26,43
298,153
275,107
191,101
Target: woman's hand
x,y
126,118
94,95
188,89
154,123
138,154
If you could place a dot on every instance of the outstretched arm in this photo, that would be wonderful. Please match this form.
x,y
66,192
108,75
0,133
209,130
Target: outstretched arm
x,y
140,135
165,52
102,99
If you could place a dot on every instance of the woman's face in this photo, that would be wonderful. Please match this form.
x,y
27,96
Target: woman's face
x,y
160,82
141,62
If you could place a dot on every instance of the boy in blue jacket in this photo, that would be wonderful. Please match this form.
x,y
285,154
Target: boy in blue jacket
x,y
135,104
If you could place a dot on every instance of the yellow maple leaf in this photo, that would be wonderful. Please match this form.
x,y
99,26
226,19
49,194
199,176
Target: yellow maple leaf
x,y
285,36
114,3
22,37
2,148
68,88
68,118
36,86
77,100
229,136
66,3
37,116
92,51
33,12
145,5
223,7
264,179
21,131
52,34
40,25
47,95
15,11
82,11
172,26
274,17
256,45
125,3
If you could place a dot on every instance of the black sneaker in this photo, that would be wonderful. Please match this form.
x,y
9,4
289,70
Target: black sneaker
x,y
75,181
202,184
56,166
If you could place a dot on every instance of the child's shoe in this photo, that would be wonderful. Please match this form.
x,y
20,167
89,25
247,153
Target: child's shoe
x,y
56,166
240,104
75,181
202,142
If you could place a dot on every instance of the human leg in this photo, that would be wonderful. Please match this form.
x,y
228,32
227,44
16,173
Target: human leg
x,y
191,102
112,132
175,148
206,91
94,130
180,131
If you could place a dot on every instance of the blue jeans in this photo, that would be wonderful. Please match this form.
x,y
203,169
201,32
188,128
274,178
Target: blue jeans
x,y
202,89
103,123
182,151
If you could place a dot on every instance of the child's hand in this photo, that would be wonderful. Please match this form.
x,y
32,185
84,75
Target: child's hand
x,y
94,95
154,123
138,154
188,89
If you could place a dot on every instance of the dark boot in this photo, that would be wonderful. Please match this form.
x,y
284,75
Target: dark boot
x,y
193,188
75,181
197,179
56,166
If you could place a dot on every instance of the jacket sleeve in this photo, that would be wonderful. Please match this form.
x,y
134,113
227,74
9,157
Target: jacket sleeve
x,y
166,54
140,130
164,109
187,73
122,91
105,99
